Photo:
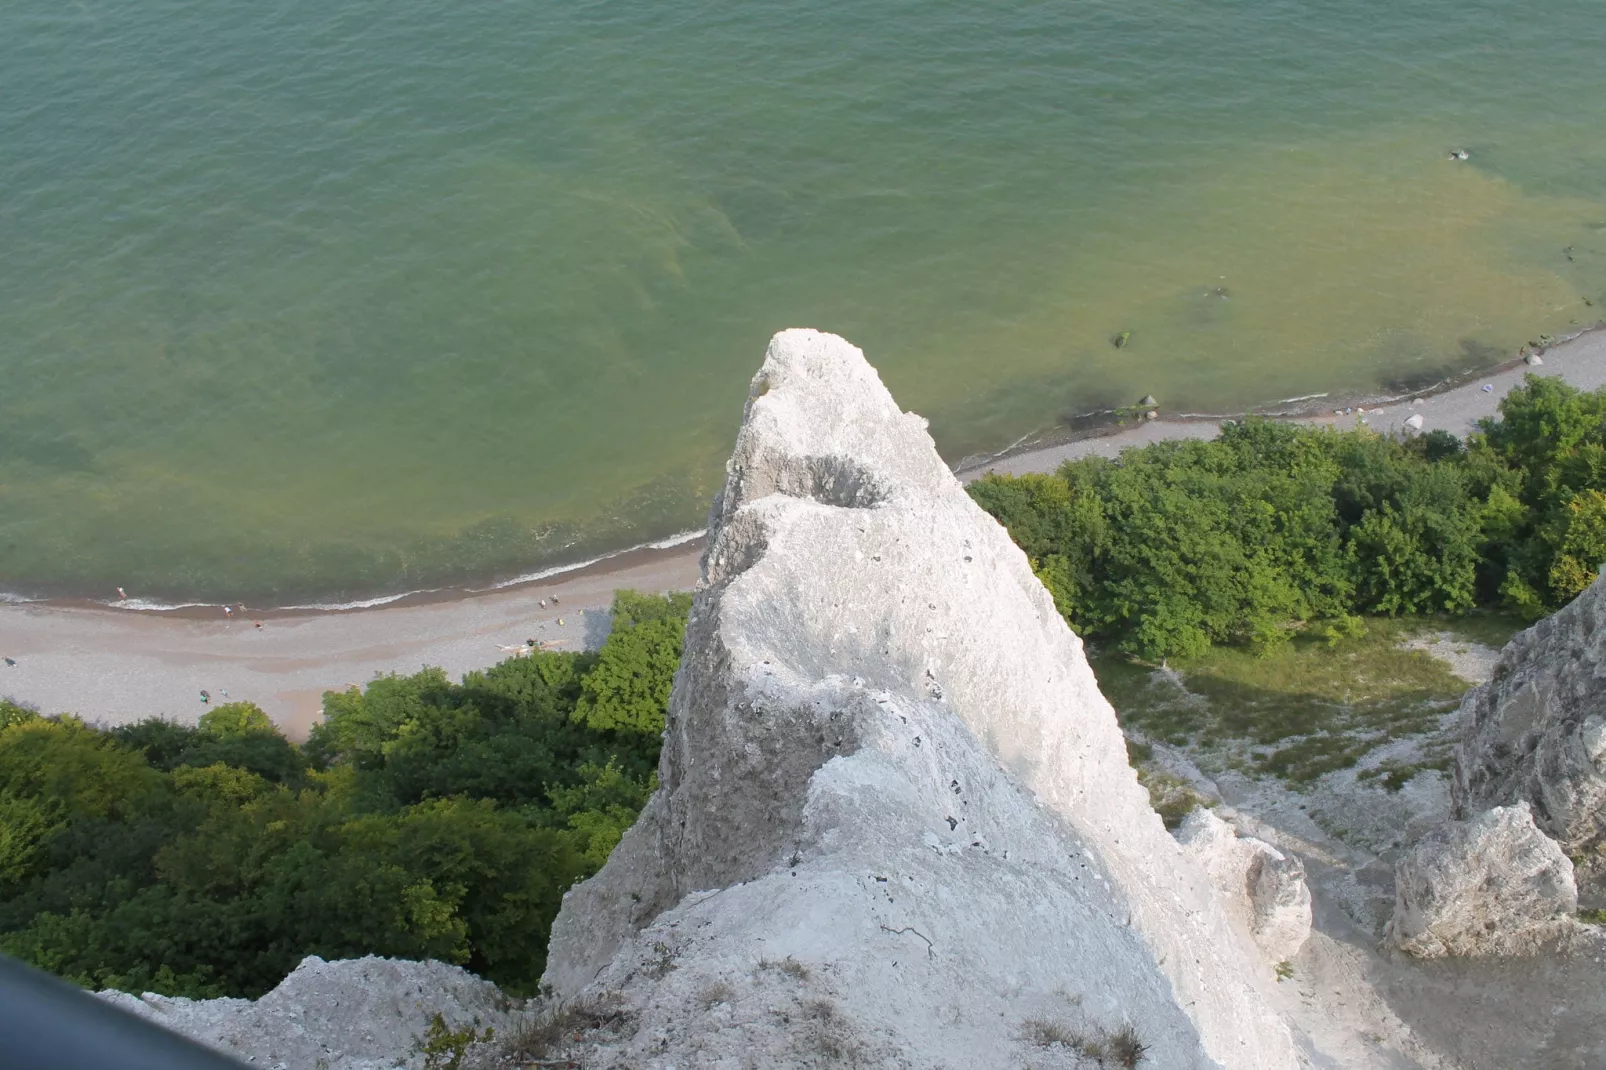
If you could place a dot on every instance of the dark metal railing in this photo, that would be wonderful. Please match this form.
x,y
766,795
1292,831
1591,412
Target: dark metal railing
x,y
48,1024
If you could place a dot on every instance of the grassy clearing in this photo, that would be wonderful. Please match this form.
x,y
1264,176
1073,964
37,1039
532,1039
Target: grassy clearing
x,y
1306,709
1491,628
1171,797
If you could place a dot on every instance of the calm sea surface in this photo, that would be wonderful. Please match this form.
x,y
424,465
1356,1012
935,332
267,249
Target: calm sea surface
x,y
305,299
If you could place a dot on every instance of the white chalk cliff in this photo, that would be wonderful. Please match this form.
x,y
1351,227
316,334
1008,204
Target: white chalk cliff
x,y
1529,790
1262,888
897,825
1491,885
1536,732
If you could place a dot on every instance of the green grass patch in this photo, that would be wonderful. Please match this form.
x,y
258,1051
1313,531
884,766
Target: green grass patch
x,y
1489,627
1393,775
1170,796
1297,712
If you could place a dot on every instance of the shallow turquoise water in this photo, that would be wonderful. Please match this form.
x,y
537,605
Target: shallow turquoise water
x,y
301,299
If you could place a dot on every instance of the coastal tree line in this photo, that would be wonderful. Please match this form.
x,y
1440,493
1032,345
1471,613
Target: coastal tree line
x,y
431,819
422,819
1272,529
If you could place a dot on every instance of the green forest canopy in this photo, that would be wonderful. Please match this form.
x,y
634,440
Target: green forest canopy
x,y
1272,527
423,819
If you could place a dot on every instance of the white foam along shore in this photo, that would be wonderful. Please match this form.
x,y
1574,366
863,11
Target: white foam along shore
x,y
121,666
149,605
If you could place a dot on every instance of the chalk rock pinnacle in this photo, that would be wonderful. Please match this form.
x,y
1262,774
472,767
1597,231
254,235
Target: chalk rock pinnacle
x,y
896,823
1492,885
1536,732
1261,886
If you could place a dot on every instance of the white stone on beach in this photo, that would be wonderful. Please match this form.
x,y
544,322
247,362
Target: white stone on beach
x,y
1533,360
1415,421
888,766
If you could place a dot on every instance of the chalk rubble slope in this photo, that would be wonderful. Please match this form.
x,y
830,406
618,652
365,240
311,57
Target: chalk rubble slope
x,y
354,1014
896,822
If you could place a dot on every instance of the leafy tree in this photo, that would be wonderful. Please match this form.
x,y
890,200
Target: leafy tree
x,y
627,691
1060,532
73,771
1550,440
1580,540
11,713
233,720
1244,539
425,818
237,733
601,808
1416,551
1542,423
1181,545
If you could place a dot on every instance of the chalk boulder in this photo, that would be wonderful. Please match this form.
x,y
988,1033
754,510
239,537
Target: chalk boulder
x,y
1262,888
896,823
1536,732
355,1014
1492,885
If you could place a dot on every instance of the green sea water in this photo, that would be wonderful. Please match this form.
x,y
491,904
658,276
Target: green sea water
x,y
315,299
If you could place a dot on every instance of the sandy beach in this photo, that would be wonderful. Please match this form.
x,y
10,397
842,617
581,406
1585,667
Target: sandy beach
x,y
1580,360
117,666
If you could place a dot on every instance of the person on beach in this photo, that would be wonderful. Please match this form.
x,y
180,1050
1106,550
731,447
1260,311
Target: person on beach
x,y
205,696
122,595
10,661
228,611
257,623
